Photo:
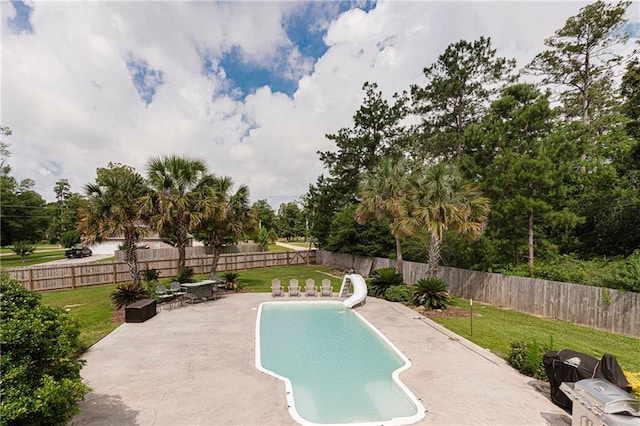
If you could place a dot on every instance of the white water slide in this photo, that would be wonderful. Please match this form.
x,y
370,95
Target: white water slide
x,y
359,290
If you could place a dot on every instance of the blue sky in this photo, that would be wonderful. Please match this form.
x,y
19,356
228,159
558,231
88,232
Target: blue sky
x,y
250,87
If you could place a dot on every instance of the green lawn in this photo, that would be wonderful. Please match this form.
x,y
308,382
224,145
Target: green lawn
x,y
275,247
91,306
495,328
13,260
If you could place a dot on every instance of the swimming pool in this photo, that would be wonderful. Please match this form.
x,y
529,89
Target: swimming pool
x,y
337,368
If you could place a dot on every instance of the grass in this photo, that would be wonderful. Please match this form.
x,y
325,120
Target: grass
x,y
275,247
91,306
13,260
495,328
259,280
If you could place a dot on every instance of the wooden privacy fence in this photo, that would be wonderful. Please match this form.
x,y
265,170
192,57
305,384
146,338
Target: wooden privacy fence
x,y
62,276
605,309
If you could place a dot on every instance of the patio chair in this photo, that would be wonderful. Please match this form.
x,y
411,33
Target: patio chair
x,y
276,288
325,289
310,287
163,294
294,287
177,291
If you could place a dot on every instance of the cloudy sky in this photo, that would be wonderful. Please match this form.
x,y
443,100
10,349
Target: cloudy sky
x,y
250,87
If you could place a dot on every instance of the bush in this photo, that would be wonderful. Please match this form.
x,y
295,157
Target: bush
x,y
381,279
186,276
41,383
70,238
231,280
431,293
23,249
399,293
526,357
128,293
628,277
150,276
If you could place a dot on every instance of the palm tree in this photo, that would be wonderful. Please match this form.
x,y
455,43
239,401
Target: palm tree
x,y
175,208
440,200
227,216
112,211
383,191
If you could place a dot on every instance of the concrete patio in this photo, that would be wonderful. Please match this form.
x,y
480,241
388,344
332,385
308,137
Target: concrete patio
x,y
195,366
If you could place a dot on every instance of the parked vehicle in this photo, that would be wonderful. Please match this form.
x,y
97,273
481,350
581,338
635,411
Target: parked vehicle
x,y
76,252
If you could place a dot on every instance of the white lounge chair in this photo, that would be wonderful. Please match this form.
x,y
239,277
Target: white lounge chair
x,y
325,288
294,287
310,287
276,288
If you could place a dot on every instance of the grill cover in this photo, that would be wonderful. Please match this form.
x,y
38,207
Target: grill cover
x,y
571,366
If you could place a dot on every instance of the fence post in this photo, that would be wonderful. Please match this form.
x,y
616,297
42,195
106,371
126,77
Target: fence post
x,y
30,282
73,276
115,273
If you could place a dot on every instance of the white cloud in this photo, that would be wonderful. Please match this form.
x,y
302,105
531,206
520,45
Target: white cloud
x,y
68,97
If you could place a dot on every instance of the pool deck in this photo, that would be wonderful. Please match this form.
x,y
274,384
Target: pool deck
x,y
195,365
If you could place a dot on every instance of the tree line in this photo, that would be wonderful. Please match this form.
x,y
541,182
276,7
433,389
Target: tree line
x,y
178,198
550,152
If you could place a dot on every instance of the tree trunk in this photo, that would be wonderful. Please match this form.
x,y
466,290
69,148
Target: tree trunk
x,y
131,259
399,267
214,261
434,254
181,244
530,243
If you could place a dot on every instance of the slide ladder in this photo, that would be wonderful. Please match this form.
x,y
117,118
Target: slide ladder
x,y
359,290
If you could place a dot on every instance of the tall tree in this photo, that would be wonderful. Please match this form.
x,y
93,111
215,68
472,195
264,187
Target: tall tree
x,y
582,57
112,210
377,131
382,191
266,216
22,210
630,90
289,220
175,206
522,165
440,200
459,87
227,215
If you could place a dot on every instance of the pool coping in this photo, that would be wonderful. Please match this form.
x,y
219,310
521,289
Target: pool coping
x,y
395,375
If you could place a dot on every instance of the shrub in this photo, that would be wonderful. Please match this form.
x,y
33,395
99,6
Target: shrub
x,y
634,382
70,238
128,293
381,279
628,277
526,357
231,280
23,249
431,293
41,383
186,276
399,293
150,275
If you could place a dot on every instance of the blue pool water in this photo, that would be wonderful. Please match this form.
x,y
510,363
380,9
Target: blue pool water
x,y
337,367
